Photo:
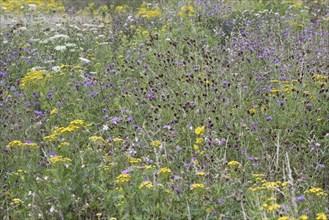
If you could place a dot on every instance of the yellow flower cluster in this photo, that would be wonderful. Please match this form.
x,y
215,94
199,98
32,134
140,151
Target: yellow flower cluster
x,y
321,216
121,9
73,126
199,141
269,186
233,163
19,144
197,186
199,130
165,170
17,202
155,143
32,5
148,13
33,78
135,160
272,207
123,178
59,159
186,11
316,192
96,139
146,184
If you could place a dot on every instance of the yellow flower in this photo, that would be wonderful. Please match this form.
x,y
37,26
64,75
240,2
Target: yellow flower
x,y
199,141
17,201
197,186
155,143
54,111
303,217
316,192
186,11
165,170
199,130
135,160
33,78
252,111
96,139
120,9
200,173
117,140
283,218
233,163
321,216
146,184
59,159
123,178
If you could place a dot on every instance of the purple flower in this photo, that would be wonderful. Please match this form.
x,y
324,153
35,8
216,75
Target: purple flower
x,y
130,119
300,198
38,112
254,126
12,88
150,96
115,120
269,118
27,104
225,83
126,171
35,95
167,127
2,74
52,153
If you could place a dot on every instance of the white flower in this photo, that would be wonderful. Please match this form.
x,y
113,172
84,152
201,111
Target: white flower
x,y
105,127
58,36
56,68
84,60
60,48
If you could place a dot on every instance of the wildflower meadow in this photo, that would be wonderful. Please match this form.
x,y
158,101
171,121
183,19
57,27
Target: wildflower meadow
x,y
167,109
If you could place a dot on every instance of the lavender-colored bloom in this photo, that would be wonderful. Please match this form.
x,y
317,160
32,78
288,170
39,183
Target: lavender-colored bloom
x,y
308,105
2,74
280,102
300,198
12,88
27,104
52,153
188,164
106,116
222,142
150,96
167,127
126,171
225,83
36,103
35,95
269,118
254,126
115,120
58,104
130,119
179,149
176,177
178,190
6,149
38,112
